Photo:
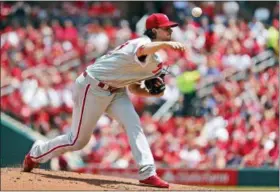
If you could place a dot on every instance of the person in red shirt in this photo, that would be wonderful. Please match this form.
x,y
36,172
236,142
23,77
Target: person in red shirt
x,y
95,9
70,31
249,145
58,30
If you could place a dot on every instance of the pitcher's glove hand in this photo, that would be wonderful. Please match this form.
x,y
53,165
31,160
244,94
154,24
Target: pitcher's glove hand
x,y
156,85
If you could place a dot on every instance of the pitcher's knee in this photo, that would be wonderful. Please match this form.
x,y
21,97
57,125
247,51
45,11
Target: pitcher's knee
x,y
76,147
77,143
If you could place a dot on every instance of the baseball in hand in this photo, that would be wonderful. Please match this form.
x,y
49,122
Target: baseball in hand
x,y
196,12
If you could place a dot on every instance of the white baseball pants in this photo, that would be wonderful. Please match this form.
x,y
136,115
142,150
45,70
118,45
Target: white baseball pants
x,y
90,102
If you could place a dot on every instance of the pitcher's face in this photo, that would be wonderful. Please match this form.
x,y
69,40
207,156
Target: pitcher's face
x,y
163,33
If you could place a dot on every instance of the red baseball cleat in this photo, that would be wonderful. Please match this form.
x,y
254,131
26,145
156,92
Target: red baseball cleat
x,y
28,164
155,181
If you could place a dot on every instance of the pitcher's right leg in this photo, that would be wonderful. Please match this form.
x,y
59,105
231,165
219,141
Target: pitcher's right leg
x,y
86,111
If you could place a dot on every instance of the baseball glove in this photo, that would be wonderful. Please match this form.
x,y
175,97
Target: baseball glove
x,y
155,85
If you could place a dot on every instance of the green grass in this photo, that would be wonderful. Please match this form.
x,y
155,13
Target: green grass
x,y
241,188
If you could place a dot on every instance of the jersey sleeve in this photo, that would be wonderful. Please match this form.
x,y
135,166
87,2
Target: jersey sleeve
x,y
138,44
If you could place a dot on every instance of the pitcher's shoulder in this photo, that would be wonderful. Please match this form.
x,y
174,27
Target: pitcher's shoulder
x,y
141,39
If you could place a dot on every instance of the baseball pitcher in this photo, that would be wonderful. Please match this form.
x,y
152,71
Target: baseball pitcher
x,y
102,88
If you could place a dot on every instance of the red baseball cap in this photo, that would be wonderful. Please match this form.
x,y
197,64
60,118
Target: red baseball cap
x,y
159,20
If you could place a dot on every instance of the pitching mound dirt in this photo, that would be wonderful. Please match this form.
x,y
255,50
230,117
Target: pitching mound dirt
x,y
39,179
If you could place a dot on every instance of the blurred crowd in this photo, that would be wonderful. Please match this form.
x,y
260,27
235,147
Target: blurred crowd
x,y
238,121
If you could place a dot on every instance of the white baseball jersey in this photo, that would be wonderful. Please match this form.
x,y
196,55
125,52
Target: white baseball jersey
x,y
122,67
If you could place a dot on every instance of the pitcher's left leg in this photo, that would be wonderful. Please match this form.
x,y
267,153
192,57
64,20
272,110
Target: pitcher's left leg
x,y
123,111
